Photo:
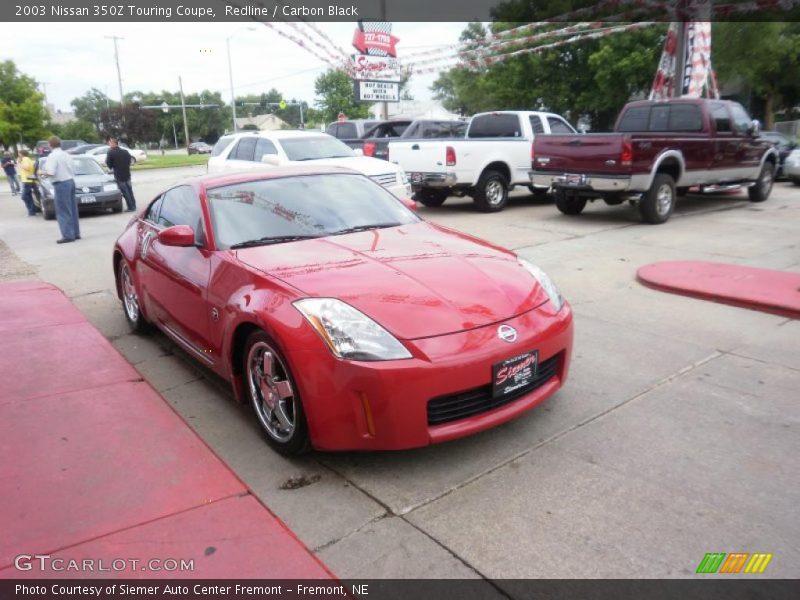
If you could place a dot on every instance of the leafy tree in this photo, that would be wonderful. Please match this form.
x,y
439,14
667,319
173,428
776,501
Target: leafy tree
x,y
130,124
90,106
334,91
77,130
769,67
22,114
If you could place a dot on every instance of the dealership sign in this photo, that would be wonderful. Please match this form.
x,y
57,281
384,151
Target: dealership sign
x,y
376,68
377,91
375,39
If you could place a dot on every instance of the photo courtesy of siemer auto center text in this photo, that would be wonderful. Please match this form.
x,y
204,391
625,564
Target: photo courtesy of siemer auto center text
x,y
400,299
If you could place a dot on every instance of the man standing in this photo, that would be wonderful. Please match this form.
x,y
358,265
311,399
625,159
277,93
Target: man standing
x,y
10,167
59,169
27,173
119,161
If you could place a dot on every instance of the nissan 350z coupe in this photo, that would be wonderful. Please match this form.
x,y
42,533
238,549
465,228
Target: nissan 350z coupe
x,y
343,318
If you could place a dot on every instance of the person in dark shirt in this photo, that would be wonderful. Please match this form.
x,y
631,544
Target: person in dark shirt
x,y
10,167
119,161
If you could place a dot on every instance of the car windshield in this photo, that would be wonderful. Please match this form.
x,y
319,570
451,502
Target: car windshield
x,y
308,206
86,166
315,148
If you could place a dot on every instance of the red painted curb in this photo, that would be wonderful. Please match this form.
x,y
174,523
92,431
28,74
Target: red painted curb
x,y
765,290
103,467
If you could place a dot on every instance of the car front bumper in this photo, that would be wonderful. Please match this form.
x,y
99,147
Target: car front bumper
x,y
101,199
384,405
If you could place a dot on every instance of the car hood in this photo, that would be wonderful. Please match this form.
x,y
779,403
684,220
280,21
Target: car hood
x,y
85,181
417,280
363,164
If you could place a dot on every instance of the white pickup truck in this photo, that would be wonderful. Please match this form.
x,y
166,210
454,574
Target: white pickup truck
x,y
494,156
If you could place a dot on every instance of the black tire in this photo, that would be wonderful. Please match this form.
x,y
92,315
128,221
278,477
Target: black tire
x,y
762,188
431,198
682,191
284,423
48,211
569,203
491,192
130,300
117,208
659,201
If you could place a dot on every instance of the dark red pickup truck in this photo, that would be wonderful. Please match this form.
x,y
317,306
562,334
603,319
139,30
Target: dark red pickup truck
x,y
659,149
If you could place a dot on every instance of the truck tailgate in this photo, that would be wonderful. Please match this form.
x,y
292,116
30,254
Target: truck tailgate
x,y
419,156
582,153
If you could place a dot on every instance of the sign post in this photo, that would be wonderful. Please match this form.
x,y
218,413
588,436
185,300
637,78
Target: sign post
x,y
375,69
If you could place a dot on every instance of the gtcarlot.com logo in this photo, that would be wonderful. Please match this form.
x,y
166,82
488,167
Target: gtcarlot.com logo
x,y
44,562
736,562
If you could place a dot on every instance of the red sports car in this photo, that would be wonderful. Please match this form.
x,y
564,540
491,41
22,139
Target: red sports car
x,y
346,320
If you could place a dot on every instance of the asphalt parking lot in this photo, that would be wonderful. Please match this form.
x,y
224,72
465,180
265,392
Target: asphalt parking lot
x,y
675,435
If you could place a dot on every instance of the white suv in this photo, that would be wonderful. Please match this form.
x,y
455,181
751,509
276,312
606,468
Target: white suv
x,y
267,149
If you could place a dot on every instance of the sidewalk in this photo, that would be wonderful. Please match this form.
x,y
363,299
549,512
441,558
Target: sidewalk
x,y
96,465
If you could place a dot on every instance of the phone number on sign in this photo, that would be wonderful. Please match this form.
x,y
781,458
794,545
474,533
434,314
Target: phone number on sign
x,y
112,10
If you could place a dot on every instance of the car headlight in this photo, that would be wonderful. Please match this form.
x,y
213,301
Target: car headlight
x,y
349,333
544,281
110,187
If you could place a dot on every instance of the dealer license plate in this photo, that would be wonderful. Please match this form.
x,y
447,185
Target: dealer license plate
x,y
514,373
415,177
88,199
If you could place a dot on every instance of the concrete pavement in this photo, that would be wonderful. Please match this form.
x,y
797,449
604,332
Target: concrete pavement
x,y
674,436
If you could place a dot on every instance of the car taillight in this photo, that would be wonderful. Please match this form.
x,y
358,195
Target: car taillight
x,y
626,158
369,149
450,156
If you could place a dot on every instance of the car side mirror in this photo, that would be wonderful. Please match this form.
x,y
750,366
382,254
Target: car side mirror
x,y
177,235
755,127
409,204
271,159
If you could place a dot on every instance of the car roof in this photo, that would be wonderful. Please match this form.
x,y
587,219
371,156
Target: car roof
x,y
212,180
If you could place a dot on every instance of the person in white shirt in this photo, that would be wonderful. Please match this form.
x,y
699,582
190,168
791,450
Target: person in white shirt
x,y
59,169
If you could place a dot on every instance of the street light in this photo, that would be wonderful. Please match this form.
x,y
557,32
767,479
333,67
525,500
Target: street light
x,y
230,70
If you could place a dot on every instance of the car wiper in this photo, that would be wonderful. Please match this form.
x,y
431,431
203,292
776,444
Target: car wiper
x,y
365,228
278,239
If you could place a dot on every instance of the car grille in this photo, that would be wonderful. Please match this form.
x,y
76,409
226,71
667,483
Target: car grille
x,y
479,400
385,180
93,189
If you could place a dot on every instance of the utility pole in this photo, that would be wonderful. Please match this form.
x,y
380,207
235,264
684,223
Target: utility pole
x,y
116,59
384,105
183,109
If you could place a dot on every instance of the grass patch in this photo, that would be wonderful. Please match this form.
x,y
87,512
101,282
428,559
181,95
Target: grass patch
x,y
156,161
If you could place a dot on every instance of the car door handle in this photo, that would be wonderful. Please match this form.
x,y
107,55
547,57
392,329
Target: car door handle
x,y
415,147
575,142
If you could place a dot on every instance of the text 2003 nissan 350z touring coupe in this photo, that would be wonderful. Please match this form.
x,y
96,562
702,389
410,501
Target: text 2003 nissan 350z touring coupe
x,y
347,321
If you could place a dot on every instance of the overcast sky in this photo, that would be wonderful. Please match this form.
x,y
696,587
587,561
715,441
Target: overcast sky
x,y
71,58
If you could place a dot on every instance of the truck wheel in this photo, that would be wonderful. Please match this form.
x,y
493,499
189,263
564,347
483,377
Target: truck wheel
x,y
491,193
659,201
431,198
569,203
760,191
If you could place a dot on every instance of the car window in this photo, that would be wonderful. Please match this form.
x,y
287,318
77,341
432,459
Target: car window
x,y
659,118
559,125
501,125
221,144
314,147
685,117
86,166
309,205
536,124
244,150
741,120
331,129
181,206
347,131
412,130
152,211
635,119
437,129
722,120
264,146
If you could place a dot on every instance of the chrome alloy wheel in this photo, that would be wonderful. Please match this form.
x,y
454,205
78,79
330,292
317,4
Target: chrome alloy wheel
x,y
494,192
664,199
129,298
765,182
271,391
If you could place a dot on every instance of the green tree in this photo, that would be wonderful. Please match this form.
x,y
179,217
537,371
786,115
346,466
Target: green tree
x,y
22,114
77,130
90,106
768,69
334,91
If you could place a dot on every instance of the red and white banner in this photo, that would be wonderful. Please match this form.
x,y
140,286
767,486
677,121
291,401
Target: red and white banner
x,y
375,38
